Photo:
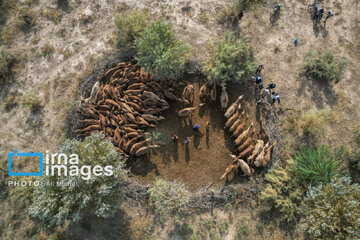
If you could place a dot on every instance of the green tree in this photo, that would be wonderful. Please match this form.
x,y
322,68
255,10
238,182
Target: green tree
x,y
170,199
229,60
332,211
324,66
130,26
283,192
76,196
160,52
318,165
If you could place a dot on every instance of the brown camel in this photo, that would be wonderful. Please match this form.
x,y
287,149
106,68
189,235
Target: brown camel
x,y
237,122
258,148
240,139
186,112
230,111
239,129
244,154
203,91
247,142
143,150
267,156
233,168
260,157
232,120
137,146
188,93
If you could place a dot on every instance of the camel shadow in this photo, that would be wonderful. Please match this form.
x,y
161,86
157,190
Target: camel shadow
x,y
274,17
187,153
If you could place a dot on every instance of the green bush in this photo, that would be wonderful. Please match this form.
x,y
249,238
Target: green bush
x,y
170,199
332,211
31,101
130,26
7,62
229,60
76,196
160,52
283,192
318,165
324,66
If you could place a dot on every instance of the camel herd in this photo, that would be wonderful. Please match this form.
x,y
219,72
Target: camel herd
x,y
250,152
126,101
123,104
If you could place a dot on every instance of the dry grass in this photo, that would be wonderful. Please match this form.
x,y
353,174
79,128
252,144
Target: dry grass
x,y
52,14
46,51
8,34
204,18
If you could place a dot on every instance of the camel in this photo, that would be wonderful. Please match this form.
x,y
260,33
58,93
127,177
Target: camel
x,y
232,120
188,93
233,168
230,111
171,96
137,146
260,157
136,107
240,128
151,96
244,154
90,121
135,86
203,91
267,156
88,129
240,139
130,143
186,112
152,118
143,150
236,123
141,121
213,93
258,148
155,110
224,100
244,167
93,93
247,142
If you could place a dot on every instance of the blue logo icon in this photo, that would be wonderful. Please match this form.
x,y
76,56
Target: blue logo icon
x,y
17,154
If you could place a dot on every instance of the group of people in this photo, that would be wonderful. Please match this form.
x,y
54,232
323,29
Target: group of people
x,y
268,91
318,13
196,127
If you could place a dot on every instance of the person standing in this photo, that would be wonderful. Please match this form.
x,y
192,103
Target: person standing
x,y
276,97
329,14
187,140
265,93
296,42
258,69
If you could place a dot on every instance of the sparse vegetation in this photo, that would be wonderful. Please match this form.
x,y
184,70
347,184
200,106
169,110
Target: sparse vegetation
x,y
318,165
332,210
230,13
283,192
160,52
230,50
52,15
26,19
8,34
324,66
130,26
204,18
309,124
169,198
11,102
47,50
76,196
7,62
31,101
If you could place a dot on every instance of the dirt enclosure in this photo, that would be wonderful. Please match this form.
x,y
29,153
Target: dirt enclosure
x,y
206,157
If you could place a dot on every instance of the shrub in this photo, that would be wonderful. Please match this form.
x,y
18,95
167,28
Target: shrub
x,y
26,19
170,199
324,66
11,102
130,26
318,165
75,197
31,101
7,62
52,15
229,60
332,211
160,52
309,124
283,192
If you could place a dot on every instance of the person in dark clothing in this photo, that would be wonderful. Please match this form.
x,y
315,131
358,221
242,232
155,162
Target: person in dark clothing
x,y
329,14
187,140
261,86
258,80
174,138
296,41
196,127
271,86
